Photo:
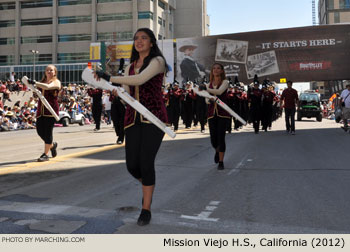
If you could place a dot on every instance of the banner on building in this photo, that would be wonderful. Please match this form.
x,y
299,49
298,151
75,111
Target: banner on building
x,y
167,47
314,53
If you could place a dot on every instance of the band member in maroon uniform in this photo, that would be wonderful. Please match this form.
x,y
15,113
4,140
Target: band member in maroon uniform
x,y
143,79
174,99
267,106
96,95
45,122
254,98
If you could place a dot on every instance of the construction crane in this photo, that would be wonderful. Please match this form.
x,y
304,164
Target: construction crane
x,y
313,12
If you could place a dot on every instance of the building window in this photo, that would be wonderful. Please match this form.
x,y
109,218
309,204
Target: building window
x,y
330,4
7,23
7,60
344,4
74,19
115,16
7,6
73,57
160,20
7,41
38,39
145,15
161,5
40,59
109,1
170,27
73,2
160,37
74,37
36,4
114,36
336,17
39,21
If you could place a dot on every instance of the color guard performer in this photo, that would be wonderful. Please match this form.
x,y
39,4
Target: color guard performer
x,y
143,79
218,118
254,98
49,87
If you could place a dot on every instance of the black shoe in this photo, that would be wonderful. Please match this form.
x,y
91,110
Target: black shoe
x,y
119,142
43,158
345,128
144,218
221,166
54,150
216,157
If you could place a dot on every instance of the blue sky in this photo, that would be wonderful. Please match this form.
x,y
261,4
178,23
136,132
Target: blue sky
x,y
234,16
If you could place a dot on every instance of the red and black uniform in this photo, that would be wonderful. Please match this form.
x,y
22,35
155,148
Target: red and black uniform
x,y
218,119
254,98
117,114
140,132
267,109
188,97
96,95
174,100
45,120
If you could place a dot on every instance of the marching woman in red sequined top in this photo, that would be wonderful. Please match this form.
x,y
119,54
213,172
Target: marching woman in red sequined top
x,y
45,121
218,118
143,80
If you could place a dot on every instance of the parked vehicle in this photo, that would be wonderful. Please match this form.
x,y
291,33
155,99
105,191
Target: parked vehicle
x,y
309,106
65,118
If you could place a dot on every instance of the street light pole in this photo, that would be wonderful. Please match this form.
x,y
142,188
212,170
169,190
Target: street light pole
x,y
34,52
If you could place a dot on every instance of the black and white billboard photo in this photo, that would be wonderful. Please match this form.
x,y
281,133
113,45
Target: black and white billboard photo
x,y
234,51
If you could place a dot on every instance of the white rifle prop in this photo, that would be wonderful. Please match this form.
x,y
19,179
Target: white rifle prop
x,y
205,94
88,76
42,98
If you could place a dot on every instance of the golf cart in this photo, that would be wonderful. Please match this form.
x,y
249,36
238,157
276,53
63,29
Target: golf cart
x,y
309,106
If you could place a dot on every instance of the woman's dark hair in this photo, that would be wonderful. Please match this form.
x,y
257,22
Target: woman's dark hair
x,y
155,51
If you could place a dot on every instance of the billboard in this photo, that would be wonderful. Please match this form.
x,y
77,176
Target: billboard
x,y
313,53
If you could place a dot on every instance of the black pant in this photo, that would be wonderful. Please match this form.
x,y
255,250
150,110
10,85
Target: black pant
x,y
217,128
118,113
290,120
44,128
142,142
96,114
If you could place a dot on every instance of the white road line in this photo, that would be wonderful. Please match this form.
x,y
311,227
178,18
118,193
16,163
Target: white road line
x,y
239,165
204,215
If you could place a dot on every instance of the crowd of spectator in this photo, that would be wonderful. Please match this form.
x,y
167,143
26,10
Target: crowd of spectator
x,y
73,98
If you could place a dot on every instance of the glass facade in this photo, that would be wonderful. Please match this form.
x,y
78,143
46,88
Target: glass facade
x,y
36,4
67,73
39,59
116,16
38,39
110,1
73,57
7,23
74,19
7,41
74,37
161,4
336,17
145,15
8,6
73,2
38,21
330,4
344,4
114,36
7,59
